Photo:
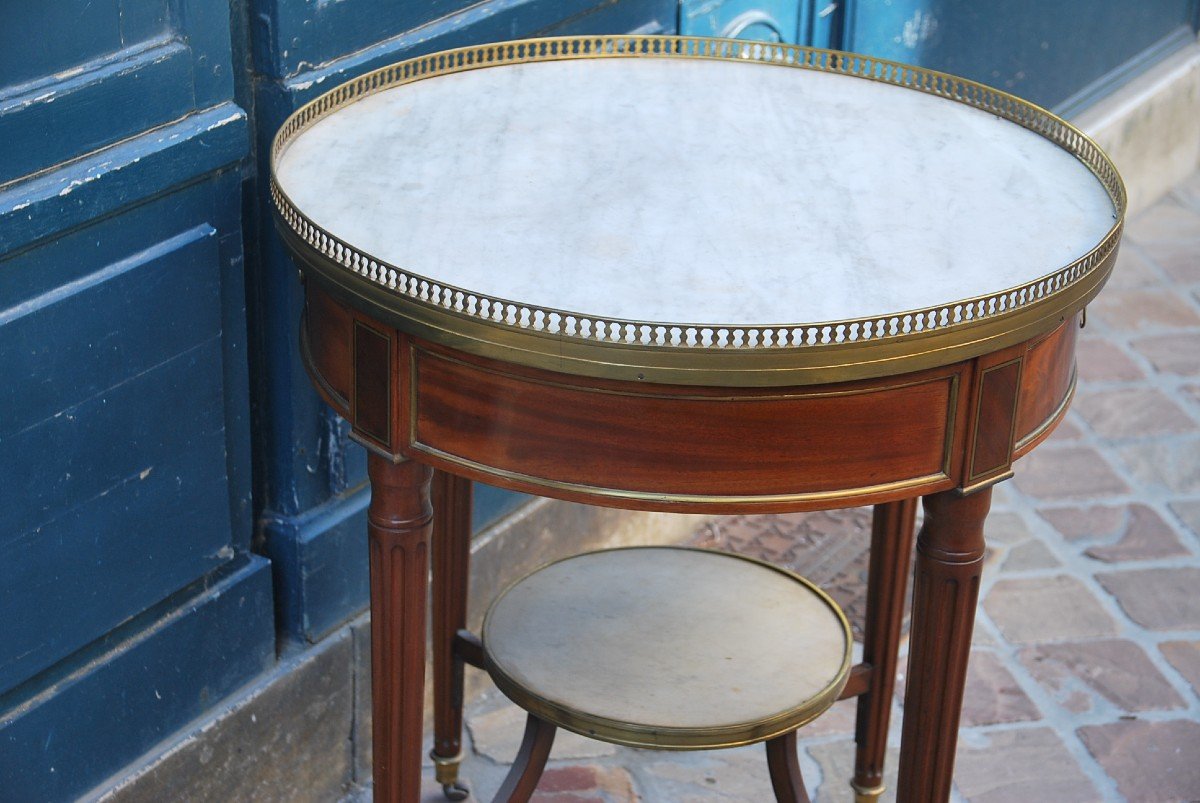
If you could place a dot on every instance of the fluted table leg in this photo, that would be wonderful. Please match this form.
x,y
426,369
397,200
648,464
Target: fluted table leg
x,y
891,550
946,586
451,567
398,527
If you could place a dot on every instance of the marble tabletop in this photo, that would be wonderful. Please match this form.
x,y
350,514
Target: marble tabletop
x,y
688,190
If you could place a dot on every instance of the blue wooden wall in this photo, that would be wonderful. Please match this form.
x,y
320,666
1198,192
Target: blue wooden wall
x,y
1062,55
175,503
129,595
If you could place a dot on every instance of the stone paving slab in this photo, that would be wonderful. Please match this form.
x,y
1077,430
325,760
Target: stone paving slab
x,y
1085,677
1150,761
1020,766
1117,670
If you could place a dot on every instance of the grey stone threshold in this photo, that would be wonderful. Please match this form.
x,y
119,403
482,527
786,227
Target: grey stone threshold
x,y
1151,127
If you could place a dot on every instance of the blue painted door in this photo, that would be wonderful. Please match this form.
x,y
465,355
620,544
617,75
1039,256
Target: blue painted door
x,y
1062,55
129,597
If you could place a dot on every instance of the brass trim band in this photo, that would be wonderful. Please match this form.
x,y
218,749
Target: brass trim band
x,y
445,768
662,500
699,353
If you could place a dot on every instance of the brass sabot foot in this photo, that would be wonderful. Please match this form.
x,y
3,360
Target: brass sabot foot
x,y
867,794
446,771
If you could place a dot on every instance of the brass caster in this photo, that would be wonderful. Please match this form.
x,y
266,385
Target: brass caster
x,y
455,791
446,771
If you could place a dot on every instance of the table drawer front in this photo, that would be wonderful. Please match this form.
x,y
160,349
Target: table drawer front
x,y
685,444
1047,384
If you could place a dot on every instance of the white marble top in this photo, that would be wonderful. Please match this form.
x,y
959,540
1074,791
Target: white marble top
x,y
694,191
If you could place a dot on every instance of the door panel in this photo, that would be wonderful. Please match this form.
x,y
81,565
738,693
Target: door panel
x,y
294,37
95,73
134,390
112,98
124,444
86,31
1049,53
759,20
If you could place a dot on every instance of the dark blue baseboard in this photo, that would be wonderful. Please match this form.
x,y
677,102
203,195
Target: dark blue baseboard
x,y
319,559
113,701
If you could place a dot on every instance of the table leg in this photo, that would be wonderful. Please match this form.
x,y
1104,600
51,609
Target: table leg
x,y
451,568
946,587
398,528
783,763
887,582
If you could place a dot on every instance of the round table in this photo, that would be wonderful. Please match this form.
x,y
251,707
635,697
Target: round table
x,y
693,275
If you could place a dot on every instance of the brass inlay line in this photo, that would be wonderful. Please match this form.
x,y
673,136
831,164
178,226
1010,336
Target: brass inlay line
x,y
902,383
310,364
951,422
1054,418
359,374
416,444
670,497
987,482
1020,361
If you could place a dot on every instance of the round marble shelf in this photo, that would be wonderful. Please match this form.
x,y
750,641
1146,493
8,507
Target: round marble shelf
x,y
668,647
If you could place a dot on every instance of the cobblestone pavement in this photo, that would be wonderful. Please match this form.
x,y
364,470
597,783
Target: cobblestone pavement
x,y
1085,674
